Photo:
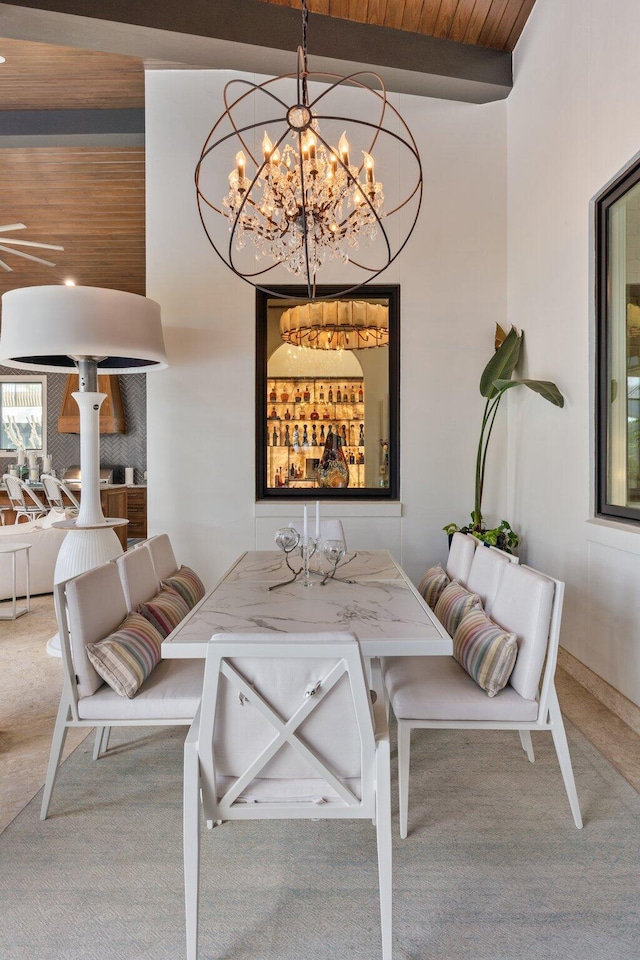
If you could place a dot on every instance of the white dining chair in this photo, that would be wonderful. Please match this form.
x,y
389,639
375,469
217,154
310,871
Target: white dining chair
x,y
485,575
23,500
162,555
286,730
437,693
89,608
461,553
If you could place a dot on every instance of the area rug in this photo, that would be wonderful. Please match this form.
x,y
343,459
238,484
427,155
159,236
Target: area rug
x,y
493,867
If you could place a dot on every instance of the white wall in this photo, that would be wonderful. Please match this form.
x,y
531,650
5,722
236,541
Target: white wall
x,y
573,122
453,289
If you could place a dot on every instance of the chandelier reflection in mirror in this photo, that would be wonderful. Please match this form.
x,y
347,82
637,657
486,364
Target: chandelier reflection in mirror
x,y
336,325
301,193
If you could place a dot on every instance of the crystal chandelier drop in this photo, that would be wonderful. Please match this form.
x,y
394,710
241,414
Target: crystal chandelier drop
x,y
303,196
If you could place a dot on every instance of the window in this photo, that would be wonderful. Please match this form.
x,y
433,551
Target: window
x,y
327,394
23,414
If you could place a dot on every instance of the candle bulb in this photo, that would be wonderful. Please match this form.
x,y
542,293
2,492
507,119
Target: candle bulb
x,y
267,146
240,164
317,519
368,164
343,147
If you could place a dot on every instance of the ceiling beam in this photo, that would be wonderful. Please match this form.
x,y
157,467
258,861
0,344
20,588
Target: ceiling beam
x,y
260,37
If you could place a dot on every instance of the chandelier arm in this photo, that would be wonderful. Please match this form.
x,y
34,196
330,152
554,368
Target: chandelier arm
x,y
253,89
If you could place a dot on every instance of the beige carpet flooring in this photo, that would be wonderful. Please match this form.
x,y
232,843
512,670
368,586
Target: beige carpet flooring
x,y
31,682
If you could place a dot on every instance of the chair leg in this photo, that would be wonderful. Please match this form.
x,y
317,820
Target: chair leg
x,y
564,759
383,835
191,827
101,742
57,745
404,747
527,745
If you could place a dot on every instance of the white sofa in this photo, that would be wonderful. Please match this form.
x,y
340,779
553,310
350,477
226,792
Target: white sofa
x,y
45,540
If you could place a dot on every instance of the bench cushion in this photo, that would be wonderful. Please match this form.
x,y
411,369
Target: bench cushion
x,y
437,688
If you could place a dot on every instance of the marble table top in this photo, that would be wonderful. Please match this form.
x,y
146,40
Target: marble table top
x,y
270,566
388,616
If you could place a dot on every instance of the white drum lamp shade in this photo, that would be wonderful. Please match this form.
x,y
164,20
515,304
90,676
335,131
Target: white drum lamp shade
x,y
107,331
44,328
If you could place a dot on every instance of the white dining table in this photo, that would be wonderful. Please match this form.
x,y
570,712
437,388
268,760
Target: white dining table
x,y
371,597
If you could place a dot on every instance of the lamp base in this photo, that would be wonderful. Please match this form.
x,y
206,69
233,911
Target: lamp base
x,y
82,550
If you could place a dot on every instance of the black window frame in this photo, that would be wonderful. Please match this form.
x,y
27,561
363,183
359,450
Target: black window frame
x,y
603,204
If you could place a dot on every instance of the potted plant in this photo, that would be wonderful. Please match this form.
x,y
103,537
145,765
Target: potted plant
x,y
496,379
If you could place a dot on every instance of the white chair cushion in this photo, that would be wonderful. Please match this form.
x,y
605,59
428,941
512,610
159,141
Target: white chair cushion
x,y
171,692
523,606
461,552
95,608
164,560
437,688
138,577
485,575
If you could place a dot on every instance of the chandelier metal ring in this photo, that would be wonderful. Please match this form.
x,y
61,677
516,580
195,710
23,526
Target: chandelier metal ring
x,y
305,202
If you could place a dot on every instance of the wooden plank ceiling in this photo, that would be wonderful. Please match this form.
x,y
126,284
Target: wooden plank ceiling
x,y
91,199
485,23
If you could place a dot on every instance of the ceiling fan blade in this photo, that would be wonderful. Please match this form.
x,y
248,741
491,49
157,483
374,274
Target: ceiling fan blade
x,y
30,243
12,226
27,256
5,266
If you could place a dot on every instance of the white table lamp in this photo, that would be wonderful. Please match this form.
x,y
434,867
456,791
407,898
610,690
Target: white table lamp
x,y
84,330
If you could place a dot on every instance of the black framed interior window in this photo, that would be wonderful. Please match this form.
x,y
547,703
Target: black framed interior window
x,y
328,394
618,348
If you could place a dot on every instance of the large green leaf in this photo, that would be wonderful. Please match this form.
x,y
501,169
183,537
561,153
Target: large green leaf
x,y
545,388
502,363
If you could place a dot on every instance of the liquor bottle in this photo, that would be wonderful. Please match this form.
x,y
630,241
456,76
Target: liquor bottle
x,y
292,471
343,431
306,396
273,395
331,395
326,415
352,458
278,478
338,396
345,394
274,438
361,457
287,438
314,436
314,415
296,438
273,415
322,433
360,395
321,394
297,396
361,437
353,394
287,414
284,397
305,438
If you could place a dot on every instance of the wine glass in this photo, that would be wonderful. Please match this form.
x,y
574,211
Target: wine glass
x,y
333,551
287,538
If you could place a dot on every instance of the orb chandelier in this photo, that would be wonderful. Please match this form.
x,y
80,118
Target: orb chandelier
x,y
336,325
301,192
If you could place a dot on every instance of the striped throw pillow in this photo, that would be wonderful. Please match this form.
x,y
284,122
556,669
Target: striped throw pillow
x,y
453,604
432,584
164,611
188,584
486,651
127,656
